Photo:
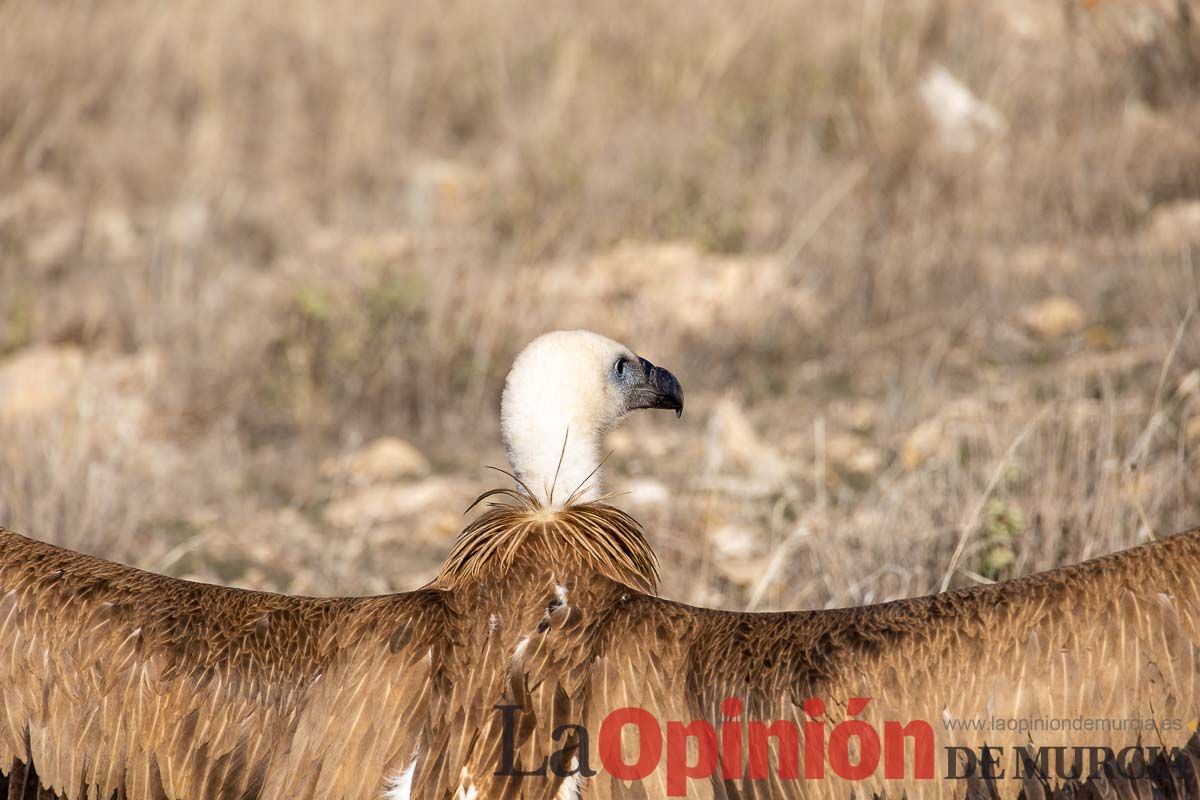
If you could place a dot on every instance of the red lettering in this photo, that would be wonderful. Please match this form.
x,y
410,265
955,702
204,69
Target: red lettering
x,y
814,740
893,748
731,738
788,738
649,743
678,768
868,744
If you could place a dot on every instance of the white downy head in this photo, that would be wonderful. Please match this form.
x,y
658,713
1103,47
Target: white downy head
x,y
565,391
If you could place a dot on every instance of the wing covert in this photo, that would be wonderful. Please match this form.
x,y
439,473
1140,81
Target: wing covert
x,y
1022,665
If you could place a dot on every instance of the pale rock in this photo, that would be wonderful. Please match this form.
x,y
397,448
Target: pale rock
x,y
969,410
961,117
188,223
734,447
1030,21
1035,260
860,416
1054,317
383,460
1174,226
375,505
432,528
244,549
113,231
734,542
1191,431
741,572
647,493
853,456
677,283
1189,385
39,381
440,526
923,442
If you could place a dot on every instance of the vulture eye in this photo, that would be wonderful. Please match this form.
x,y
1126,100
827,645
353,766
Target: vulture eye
x,y
619,367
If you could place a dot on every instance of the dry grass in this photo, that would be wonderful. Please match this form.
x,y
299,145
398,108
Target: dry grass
x,y
240,239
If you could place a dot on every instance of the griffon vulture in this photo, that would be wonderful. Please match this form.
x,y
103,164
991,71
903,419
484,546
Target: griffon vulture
x,y
540,662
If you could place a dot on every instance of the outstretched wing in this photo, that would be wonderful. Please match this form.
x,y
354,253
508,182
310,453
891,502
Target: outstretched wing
x,y
113,680
1085,656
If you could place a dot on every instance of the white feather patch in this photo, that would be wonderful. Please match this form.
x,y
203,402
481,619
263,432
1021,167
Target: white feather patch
x,y
519,650
400,785
569,790
466,788
572,785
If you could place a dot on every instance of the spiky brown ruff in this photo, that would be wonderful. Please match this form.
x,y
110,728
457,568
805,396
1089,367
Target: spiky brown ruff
x,y
588,537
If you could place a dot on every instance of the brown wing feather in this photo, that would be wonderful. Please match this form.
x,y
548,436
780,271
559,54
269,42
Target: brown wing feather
x,y
162,688
1114,638
117,680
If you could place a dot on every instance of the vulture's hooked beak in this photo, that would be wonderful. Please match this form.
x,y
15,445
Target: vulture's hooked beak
x,y
658,388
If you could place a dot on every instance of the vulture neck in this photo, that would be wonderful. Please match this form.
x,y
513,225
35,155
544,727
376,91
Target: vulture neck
x,y
526,539
559,464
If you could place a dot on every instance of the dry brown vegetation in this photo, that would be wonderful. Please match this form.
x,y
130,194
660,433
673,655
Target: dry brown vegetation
x,y
240,241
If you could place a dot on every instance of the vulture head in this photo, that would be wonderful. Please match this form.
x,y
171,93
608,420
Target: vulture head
x,y
565,391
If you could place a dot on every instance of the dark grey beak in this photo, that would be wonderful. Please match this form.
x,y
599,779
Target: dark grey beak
x,y
658,388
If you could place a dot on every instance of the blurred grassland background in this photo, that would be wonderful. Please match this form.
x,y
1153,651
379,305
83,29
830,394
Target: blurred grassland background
x,y
927,270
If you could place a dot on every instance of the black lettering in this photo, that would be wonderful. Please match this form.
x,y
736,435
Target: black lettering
x,y
967,762
991,762
560,760
1130,763
1060,766
1031,763
508,748
1097,758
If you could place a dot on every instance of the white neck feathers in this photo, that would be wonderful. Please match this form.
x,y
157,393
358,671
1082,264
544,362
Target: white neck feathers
x,y
557,406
